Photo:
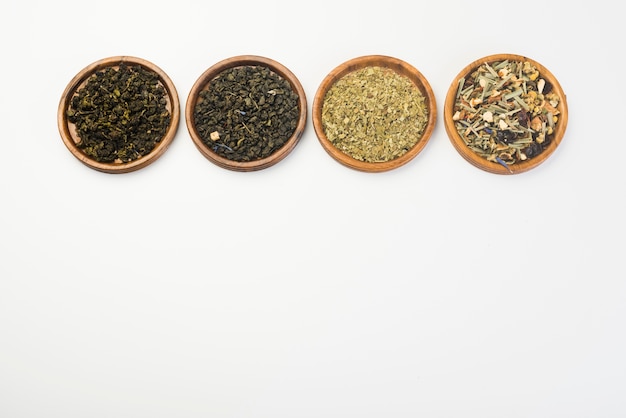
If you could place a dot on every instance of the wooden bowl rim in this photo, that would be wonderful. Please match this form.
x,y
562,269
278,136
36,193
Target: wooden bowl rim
x,y
399,66
239,61
79,79
482,163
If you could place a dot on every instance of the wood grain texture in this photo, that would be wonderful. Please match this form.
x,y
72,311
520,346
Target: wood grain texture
x,y
68,131
477,160
399,67
245,60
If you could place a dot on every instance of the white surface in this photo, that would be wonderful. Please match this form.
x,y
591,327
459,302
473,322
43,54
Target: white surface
x,y
309,289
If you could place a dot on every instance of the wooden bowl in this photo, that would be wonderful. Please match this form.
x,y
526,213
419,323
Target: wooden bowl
x,y
68,130
203,83
398,66
498,167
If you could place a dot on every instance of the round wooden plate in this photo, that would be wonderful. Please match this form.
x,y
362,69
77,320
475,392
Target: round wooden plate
x,y
68,130
398,66
483,163
238,61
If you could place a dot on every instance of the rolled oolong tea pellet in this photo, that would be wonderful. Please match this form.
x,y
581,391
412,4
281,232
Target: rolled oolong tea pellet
x,y
246,113
120,114
374,114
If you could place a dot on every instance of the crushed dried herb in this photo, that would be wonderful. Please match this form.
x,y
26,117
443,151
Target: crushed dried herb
x,y
120,114
374,114
246,113
506,112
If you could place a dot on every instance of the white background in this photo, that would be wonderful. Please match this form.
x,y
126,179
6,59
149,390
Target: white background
x,y
309,289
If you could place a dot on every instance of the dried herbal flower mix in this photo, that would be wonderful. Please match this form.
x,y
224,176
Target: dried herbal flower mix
x,y
120,114
246,113
374,114
506,112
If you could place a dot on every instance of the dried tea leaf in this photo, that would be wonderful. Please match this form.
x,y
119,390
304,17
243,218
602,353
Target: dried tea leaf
x,y
120,114
374,114
517,120
247,113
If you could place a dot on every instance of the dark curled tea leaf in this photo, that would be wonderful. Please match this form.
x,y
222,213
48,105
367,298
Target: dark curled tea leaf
x,y
246,113
120,114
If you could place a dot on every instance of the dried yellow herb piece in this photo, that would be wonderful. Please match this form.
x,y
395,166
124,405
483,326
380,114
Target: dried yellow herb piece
x,y
374,114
